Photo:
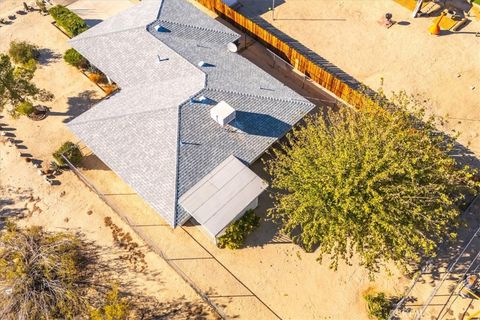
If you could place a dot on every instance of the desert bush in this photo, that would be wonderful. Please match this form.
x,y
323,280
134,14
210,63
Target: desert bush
x,y
109,88
70,151
124,240
23,52
25,108
41,5
26,71
74,58
95,77
378,305
40,274
236,233
113,308
69,21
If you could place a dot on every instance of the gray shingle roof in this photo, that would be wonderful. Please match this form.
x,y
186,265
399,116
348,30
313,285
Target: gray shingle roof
x,y
154,133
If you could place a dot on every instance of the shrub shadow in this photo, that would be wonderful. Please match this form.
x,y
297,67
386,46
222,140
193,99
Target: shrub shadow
x,y
47,56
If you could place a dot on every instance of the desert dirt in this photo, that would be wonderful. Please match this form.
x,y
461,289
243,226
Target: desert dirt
x,y
441,69
70,206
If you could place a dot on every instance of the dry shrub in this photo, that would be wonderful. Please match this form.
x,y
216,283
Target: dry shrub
x,y
124,240
95,77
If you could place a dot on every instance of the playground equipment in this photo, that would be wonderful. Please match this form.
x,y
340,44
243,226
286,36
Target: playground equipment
x,y
458,8
435,27
470,290
474,316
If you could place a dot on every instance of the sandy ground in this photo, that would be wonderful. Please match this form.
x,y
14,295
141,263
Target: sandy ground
x,y
8,7
441,69
66,206
95,11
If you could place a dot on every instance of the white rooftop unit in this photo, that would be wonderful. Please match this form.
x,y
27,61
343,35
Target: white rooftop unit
x,y
222,113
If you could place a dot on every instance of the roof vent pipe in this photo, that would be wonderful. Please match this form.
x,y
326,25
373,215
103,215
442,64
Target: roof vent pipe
x,y
232,47
202,64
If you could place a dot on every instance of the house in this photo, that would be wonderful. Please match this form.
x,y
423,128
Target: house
x,y
191,115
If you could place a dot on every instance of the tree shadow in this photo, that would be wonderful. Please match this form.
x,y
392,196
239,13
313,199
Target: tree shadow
x,y
78,105
10,203
47,56
150,308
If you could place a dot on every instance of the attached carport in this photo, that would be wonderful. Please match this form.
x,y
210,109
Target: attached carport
x,y
223,196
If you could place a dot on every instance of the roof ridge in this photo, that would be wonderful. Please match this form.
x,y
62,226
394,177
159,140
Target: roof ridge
x,y
194,27
79,37
120,116
179,142
259,96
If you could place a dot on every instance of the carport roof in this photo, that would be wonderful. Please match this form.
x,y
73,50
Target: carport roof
x,y
219,197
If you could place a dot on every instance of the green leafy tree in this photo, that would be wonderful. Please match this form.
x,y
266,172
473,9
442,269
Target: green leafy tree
x,y
235,234
40,274
25,108
378,305
379,183
70,151
16,86
23,52
68,20
74,58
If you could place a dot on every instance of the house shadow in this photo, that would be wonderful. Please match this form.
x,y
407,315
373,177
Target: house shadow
x,y
48,56
77,105
259,124
92,162
92,22
257,7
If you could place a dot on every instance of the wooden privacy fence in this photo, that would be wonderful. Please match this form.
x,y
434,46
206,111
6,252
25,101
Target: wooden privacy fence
x,y
303,59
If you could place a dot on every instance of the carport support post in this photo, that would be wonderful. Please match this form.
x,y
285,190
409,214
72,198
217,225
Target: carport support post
x,y
273,10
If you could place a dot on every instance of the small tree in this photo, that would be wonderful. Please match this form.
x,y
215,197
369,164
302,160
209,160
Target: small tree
x,y
114,307
25,108
70,151
379,182
235,234
23,52
16,86
74,58
40,274
378,305
68,20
